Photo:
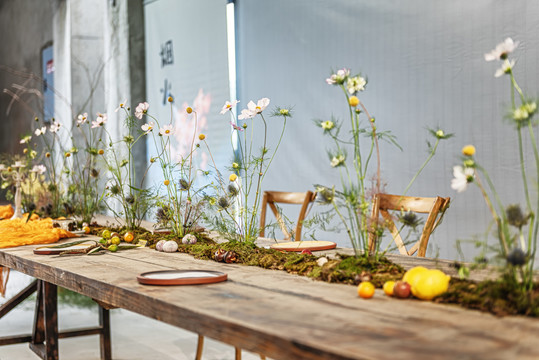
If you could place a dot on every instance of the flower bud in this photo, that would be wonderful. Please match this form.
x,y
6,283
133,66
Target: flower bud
x,y
468,150
353,101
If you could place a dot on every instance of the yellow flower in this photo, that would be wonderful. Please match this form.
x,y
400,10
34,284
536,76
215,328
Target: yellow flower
x,y
101,152
25,150
48,155
67,154
468,150
353,101
201,137
232,177
170,99
166,182
189,110
235,165
152,160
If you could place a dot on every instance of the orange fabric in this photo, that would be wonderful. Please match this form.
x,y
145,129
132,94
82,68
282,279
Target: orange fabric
x,y
18,232
6,212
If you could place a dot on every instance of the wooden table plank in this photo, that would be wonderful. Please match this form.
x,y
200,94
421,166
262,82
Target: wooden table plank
x,y
285,316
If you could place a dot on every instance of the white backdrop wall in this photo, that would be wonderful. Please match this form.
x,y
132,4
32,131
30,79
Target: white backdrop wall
x,y
425,66
186,58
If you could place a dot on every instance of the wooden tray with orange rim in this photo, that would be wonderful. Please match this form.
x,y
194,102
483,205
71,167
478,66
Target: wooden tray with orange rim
x,y
304,245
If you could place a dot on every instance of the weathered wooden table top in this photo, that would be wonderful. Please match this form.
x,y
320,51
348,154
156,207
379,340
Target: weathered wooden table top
x,y
285,316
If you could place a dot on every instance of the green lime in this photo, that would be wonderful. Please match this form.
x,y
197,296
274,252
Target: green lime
x,y
106,234
113,248
103,242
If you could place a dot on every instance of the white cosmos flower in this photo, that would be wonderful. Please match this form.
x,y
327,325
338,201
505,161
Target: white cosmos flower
x,y
228,106
141,109
121,106
81,119
100,121
502,50
337,160
463,176
55,127
26,139
260,106
506,67
355,84
339,77
246,114
41,131
148,127
327,125
39,169
166,130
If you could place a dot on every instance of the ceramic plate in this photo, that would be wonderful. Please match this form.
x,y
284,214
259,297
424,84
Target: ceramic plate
x,y
181,277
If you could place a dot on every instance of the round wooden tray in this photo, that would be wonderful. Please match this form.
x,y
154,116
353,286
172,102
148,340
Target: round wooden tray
x,y
181,277
304,245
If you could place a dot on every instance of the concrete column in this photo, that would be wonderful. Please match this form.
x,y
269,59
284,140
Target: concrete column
x,y
124,70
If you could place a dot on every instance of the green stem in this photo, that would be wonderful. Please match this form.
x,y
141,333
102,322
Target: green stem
x,y
431,155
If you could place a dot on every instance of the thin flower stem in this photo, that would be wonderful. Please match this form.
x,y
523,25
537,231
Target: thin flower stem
x,y
431,155
494,216
523,169
375,137
257,194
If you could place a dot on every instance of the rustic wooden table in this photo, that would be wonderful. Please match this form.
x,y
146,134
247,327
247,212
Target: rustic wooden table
x,y
285,316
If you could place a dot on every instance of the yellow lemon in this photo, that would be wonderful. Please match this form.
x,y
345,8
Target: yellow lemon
x,y
413,275
431,284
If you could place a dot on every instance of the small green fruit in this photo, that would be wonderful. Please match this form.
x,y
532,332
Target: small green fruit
x,y
115,240
113,248
106,234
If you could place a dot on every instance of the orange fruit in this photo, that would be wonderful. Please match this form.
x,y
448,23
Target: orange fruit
x,y
365,290
86,229
388,287
128,236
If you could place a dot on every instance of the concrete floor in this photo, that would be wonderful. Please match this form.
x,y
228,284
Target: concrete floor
x,y
134,336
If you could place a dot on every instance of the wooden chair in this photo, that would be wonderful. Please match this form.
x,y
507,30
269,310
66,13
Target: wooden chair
x,y
434,206
271,197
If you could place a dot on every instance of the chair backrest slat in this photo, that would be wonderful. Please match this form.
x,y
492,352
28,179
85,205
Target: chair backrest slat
x,y
434,206
271,197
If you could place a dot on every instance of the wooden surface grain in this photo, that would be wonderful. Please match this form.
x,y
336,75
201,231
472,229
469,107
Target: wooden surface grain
x,y
285,316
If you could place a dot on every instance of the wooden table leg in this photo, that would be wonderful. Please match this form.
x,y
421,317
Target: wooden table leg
x,y
45,332
104,336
